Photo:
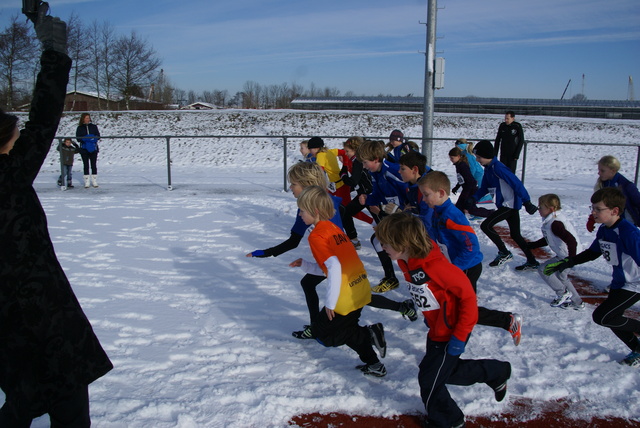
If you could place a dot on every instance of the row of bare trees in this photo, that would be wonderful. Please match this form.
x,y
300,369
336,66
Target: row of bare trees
x,y
104,62
119,67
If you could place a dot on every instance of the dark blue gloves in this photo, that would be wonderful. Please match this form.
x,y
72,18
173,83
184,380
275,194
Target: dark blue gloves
x,y
258,253
455,346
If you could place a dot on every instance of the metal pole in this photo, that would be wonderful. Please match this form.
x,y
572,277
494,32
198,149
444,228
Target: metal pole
x,y
637,166
427,116
285,164
62,177
169,187
524,161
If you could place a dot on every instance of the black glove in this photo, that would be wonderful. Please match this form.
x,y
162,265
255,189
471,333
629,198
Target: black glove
x,y
455,189
531,209
563,264
52,32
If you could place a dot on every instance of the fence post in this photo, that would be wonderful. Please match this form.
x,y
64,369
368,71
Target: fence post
x,y
284,157
524,160
169,187
637,166
62,177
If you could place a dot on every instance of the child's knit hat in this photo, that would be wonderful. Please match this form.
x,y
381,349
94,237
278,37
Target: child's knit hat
x,y
315,143
396,135
484,149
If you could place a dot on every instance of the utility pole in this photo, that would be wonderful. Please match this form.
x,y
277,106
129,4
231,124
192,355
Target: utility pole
x,y
429,69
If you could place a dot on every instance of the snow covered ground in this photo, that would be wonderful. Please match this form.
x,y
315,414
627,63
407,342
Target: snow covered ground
x,y
200,335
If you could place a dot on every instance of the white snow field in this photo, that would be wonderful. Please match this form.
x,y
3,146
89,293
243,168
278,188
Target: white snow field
x,y
200,335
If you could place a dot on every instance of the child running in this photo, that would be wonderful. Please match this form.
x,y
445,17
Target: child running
x,y
348,289
618,242
358,180
560,235
457,240
608,176
300,176
445,296
510,195
467,182
388,195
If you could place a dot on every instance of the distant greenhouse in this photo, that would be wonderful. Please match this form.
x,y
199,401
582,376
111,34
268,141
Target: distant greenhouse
x,y
611,109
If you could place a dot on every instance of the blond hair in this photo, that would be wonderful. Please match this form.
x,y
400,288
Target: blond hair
x,y
405,232
353,143
610,162
316,201
436,180
371,150
550,200
307,174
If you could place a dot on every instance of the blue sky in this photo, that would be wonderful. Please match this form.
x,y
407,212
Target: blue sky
x,y
523,49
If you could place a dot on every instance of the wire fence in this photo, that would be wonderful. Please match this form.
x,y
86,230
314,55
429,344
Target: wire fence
x,y
531,147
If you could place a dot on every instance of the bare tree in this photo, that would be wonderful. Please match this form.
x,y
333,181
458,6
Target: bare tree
x,y
220,97
18,49
106,61
135,63
179,96
251,94
79,53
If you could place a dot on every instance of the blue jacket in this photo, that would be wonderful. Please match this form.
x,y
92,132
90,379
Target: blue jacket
x,y
620,247
507,189
632,207
388,186
476,169
455,236
420,207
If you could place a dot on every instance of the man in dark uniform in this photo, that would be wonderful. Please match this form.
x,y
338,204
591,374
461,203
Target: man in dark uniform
x,y
511,137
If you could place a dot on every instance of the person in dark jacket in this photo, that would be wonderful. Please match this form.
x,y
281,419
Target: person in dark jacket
x,y
67,150
89,148
49,353
509,141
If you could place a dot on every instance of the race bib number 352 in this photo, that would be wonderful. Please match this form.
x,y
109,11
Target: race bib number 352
x,y
423,298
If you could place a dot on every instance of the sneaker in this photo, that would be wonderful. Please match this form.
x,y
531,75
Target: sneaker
x,y
558,301
501,259
475,218
63,188
356,243
570,305
377,338
59,183
385,285
579,307
303,334
500,391
69,186
528,266
631,360
515,328
378,369
407,309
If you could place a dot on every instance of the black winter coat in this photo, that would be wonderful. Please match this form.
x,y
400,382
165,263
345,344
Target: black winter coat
x,y
47,345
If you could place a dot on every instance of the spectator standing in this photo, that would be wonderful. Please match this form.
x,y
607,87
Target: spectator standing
x,y
509,141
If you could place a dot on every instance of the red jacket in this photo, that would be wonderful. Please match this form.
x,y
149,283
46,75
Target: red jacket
x,y
455,311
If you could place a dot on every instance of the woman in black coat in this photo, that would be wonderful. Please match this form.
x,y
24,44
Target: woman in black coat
x,y
88,148
49,353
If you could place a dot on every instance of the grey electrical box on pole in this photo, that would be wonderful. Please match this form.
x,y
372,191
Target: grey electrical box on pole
x,y
427,116
438,82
